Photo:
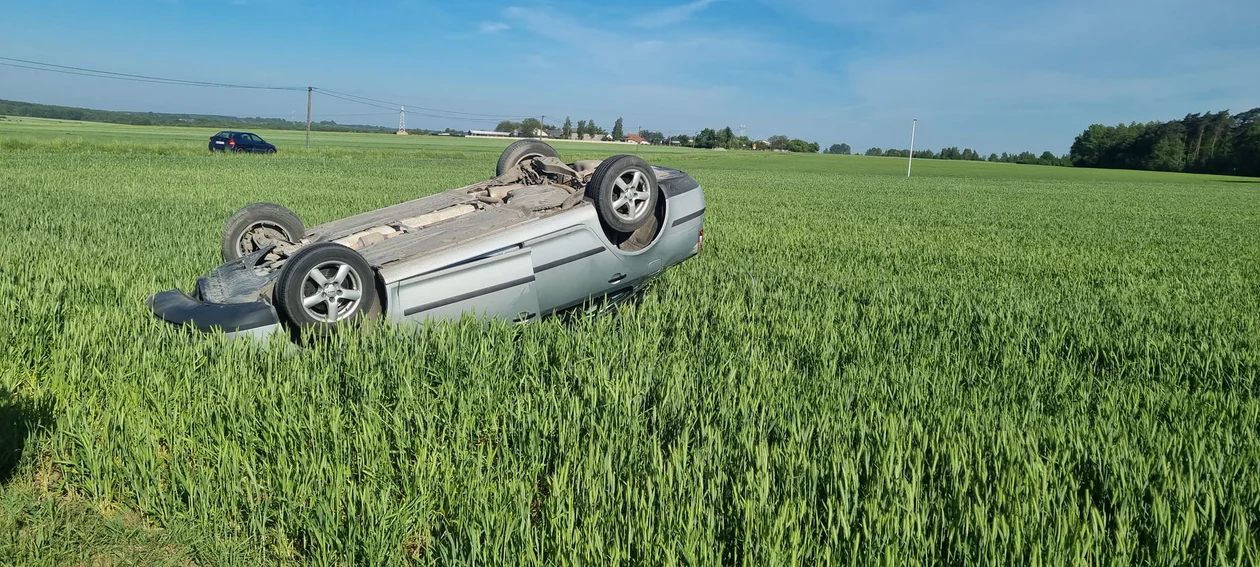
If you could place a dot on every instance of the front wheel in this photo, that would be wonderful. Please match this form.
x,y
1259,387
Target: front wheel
x,y
325,286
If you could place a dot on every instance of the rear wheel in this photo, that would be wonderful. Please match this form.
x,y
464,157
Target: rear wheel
x,y
257,225
522,150
324,287
625,192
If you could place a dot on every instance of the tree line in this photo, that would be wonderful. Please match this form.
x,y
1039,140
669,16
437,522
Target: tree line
x,y
532,127
1212,142
16,108
965,154
708,138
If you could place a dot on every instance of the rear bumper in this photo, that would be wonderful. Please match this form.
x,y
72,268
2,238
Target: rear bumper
x,y
176,307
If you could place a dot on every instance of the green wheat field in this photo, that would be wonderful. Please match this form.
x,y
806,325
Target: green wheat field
x,y
983,364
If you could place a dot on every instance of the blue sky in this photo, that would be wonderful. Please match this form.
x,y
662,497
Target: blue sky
x,y
990,75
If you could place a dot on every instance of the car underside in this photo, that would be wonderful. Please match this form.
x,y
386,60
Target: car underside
x,y
540,236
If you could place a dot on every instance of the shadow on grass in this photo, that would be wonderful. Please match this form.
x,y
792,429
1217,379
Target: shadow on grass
x,y
19,418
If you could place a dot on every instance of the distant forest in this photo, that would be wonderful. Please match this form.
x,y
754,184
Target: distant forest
x,y
15,108
966,154
1215,142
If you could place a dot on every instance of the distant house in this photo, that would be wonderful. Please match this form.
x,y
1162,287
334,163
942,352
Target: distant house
x,y
637,139
489,133
590,138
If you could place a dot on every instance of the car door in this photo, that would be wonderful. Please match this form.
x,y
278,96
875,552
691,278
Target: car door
x,y
252,142
499,286
573,265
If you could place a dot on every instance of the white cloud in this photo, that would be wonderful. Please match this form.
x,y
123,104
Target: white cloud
x,y
493,27
611,47
1030,74
672,16
989,74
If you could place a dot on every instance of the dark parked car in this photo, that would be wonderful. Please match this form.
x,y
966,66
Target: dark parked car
x,y
233,141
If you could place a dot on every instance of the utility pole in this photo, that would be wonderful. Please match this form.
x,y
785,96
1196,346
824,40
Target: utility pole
x,y
308,116
911,162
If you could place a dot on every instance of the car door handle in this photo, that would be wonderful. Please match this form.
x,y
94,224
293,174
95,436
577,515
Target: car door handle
x,y
617,277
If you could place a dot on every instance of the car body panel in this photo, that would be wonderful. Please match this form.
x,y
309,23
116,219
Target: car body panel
x,y
573,264
449,255
500,286
175,306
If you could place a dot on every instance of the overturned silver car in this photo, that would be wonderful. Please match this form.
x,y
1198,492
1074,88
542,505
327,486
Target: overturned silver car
x,y
541,237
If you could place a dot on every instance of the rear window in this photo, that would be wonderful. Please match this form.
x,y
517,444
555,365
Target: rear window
x,y
223,134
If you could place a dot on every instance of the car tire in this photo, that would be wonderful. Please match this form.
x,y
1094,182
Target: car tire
x,y
256,222
310,277
625,192
521,150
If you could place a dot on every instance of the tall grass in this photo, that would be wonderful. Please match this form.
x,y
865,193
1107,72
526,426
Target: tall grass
x,y
859,369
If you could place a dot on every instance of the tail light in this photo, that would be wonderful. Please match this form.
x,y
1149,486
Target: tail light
x,y
232,143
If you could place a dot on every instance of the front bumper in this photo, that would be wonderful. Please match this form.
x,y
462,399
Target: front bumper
x,y
176,307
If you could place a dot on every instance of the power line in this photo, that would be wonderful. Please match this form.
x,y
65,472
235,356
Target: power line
x,y
348,97
283,116
353,114
393,104
328,93
83,71
160,82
